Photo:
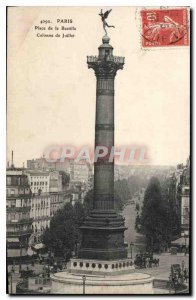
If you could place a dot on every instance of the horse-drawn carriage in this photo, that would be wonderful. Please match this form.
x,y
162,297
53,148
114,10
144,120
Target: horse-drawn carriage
x,y
145,260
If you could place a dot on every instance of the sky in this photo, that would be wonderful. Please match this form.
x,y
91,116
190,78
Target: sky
x,y
51,92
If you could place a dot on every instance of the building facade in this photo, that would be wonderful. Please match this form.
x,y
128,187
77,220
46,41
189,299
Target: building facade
x,y
185,208
43,164
77,190
48,196
58,200
179,199
40,214
18,219
80,171
55,184
185,200
39,181
33,197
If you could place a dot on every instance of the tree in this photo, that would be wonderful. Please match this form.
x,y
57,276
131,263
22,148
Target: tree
x,y
154,216
172,195
136,183
122,190
137,222
64,232
126,188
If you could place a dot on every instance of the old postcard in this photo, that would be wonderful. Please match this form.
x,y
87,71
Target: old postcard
x,y
98,150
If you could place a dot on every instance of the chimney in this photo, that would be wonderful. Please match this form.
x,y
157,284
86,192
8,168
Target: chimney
x,y
12,164
43,164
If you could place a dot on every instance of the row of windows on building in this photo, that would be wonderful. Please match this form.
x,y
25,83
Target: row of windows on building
x,y
27,202
17,228
37,229
54,206
17,216
40,213
39,177
15,180
40,205
13,204
17,191
56,200
39,183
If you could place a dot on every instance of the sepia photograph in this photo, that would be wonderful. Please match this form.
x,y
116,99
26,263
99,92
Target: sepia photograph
x,y
98,156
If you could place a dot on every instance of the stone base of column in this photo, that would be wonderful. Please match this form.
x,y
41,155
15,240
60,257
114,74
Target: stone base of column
x,y
109,254
101,267
100,284
103,236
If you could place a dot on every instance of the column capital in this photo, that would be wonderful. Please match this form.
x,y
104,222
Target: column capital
x,y
105,68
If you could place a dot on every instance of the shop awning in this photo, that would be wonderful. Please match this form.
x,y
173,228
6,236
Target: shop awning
x,y
38,246
180,241
12,240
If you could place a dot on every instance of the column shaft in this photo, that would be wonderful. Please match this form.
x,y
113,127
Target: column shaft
x,y
104,136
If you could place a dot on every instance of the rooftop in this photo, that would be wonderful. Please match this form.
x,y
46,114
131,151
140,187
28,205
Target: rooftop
x,y
37,172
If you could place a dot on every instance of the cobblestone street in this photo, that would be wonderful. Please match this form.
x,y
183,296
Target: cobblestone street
x,y
131,235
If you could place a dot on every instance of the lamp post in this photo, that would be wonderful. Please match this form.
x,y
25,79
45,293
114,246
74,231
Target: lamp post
x,y
20,256
131,247
83,281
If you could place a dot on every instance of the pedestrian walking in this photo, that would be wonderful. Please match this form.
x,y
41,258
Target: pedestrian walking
x,y
186,275
183,265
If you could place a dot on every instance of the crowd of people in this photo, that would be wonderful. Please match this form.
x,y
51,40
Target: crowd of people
x,y
179,275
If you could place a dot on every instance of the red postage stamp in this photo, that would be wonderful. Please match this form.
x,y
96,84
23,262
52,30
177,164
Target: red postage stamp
x,y
164,28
